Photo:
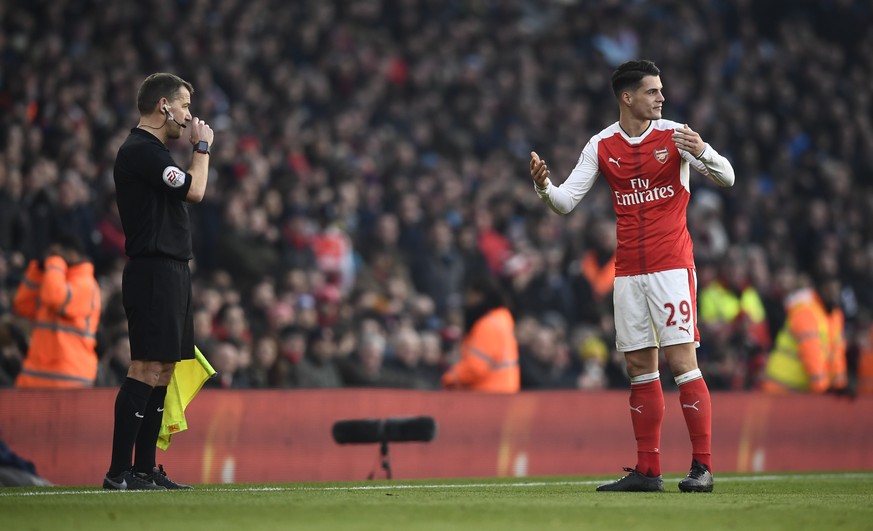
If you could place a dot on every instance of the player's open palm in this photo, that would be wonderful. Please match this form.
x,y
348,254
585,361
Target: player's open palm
x,y
539,171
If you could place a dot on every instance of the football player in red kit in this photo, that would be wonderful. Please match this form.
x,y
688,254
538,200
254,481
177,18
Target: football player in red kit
x,y
645,160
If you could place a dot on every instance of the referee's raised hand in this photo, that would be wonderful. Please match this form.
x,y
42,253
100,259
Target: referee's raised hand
x,y
200,130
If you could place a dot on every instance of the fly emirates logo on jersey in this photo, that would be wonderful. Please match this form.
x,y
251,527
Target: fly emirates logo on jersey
x,y
641,193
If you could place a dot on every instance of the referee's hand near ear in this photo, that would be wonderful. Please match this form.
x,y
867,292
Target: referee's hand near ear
x,y
201,140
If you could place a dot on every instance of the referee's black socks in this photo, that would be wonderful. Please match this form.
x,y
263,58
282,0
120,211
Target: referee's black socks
x,y
146,440
130,412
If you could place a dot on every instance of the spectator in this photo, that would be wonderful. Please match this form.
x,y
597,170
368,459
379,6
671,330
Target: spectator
x,y
263,373
365,368
494,247
329,305
204,330
244,248
549,289
333,250
292,348
544,361
318,367
433,360
233,325
439,271
296,242
405,361
225,358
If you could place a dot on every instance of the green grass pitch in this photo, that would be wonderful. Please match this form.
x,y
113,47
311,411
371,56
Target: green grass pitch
x,y
841,501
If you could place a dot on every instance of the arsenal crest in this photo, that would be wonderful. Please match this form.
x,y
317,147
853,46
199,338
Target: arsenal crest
x,y
661,155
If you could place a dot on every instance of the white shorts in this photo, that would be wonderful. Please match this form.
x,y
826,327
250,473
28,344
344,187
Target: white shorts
x,y
656,310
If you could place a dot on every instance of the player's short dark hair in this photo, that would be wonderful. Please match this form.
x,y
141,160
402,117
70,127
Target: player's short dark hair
x,y
630,75
159,85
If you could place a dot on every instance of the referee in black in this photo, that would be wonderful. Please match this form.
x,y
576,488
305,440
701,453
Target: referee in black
x,y
153,193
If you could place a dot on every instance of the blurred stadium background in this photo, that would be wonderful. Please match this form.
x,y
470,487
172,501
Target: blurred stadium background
x,y
370,154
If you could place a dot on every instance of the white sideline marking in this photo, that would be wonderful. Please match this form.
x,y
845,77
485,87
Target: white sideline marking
x,y
520,484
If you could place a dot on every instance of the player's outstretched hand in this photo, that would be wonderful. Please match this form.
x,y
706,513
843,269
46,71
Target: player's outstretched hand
x,y
689,140
539,171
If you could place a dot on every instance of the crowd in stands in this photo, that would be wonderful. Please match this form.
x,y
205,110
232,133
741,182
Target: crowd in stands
x,y
371,154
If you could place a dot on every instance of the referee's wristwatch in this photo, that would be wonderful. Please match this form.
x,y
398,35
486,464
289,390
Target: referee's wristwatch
x,y
202,147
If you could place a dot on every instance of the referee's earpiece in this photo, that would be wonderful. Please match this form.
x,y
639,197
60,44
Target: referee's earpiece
x,y
171,117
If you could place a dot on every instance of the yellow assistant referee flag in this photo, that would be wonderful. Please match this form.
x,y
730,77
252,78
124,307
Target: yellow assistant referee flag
x,y
188,378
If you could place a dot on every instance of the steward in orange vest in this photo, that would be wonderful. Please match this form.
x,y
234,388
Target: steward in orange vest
x,y
61,298
489,351
809,355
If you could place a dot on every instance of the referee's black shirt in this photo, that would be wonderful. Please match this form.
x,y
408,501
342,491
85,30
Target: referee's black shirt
x,y
150,191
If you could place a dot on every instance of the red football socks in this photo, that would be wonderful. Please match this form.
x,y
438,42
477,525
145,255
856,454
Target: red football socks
x,y
697,409
647,413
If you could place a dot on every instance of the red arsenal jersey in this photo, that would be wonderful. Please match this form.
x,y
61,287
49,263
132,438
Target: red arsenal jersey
x,y
649,179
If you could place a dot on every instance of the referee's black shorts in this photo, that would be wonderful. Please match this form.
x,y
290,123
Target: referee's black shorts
x,y
156,293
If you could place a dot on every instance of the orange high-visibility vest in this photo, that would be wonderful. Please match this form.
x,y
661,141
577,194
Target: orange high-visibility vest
x,y
810,351
63,305
489,356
